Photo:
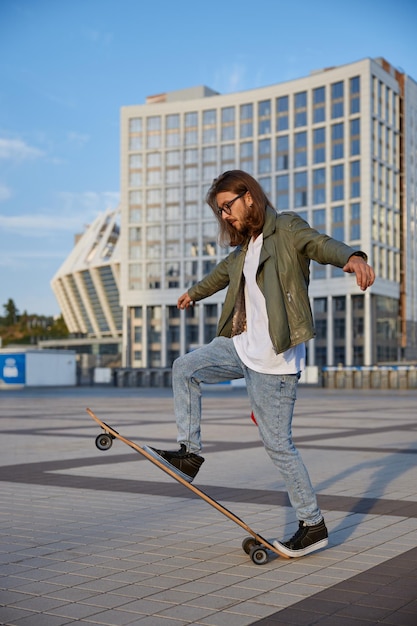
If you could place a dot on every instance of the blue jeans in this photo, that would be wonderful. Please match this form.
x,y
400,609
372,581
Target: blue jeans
x,y
272,399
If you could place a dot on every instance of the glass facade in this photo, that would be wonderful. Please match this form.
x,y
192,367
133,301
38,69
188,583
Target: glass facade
x,y
305,141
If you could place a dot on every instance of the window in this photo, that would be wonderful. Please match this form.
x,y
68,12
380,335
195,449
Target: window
x,y
321,329
246,156
154,123
135,161
319,100
227,157
153,126
282,151
355,139
282,188
319,220
319,186
153,275
339,304
320,323
319,145
266,184
135,143
355,89
191,128
355,179
338,225
355,226
246,150
153,196
246,120
300,149
282,113
209,126
264,156
135,197
320,306
300,109
338,141
135,125
172,158
337,92
264,117
135,276
135,179
191,156
209,155
153,177
300,189
153,159
135,215
338,174
228,124
172,133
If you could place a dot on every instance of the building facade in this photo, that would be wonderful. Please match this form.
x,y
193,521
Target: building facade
x,y
339,147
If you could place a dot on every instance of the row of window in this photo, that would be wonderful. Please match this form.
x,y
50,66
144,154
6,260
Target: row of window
x,y
167,322
285,145
298,183
289,111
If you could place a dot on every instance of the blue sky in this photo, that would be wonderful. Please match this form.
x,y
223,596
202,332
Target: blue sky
x,y
68,66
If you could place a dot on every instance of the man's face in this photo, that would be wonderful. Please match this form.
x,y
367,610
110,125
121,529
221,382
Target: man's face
x,y
235,209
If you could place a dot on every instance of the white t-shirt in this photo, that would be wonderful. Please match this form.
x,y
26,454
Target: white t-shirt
x,y
254,345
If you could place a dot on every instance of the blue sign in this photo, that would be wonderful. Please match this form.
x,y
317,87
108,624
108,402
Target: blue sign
x,y
13,369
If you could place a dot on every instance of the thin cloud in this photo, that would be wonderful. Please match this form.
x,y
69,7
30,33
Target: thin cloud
x,y
37,225
79,139
89,203
74,211
5,193
18,150
97,37
230,79
18,259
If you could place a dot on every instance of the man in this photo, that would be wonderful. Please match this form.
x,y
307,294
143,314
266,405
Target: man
x,y
265,322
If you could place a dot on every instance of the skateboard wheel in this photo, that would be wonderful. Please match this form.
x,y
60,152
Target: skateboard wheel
x,y
104,441
248,543
258,555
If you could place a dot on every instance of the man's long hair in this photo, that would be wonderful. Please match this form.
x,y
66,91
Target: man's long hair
x,y
237,181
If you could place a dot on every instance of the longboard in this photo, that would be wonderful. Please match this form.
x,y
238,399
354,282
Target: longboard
x,y
255,545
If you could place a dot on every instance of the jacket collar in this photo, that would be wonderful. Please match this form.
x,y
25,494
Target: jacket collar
x,y
270,222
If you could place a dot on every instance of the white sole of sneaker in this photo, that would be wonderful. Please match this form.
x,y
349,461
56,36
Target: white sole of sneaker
x,y
304,551
167,464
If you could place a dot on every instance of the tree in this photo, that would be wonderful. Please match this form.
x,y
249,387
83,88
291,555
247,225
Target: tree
x,y
11,312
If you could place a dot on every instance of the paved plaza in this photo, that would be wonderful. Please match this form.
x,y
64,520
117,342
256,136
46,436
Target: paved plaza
x,y
91,537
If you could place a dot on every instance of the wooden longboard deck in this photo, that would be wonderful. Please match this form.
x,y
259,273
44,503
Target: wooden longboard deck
x,y
199,492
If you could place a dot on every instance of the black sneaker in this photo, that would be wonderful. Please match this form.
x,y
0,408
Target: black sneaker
x,y
185,464
307,539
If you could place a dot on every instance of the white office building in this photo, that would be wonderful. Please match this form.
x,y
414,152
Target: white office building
x,y
339,147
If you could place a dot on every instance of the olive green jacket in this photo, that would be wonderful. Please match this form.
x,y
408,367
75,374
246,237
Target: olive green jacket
x,y
283,277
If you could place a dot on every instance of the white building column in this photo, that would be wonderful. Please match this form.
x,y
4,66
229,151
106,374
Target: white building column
x,y
164,332
348,331
126,343
330,331
368,328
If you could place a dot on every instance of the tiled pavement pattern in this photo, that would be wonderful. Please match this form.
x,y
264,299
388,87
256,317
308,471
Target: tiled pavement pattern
x,y
90,537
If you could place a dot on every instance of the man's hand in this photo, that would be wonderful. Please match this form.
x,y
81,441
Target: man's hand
x,y
184,301
365,275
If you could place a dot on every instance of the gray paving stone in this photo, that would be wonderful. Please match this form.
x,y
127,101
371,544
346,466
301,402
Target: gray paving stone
x,y
113,541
